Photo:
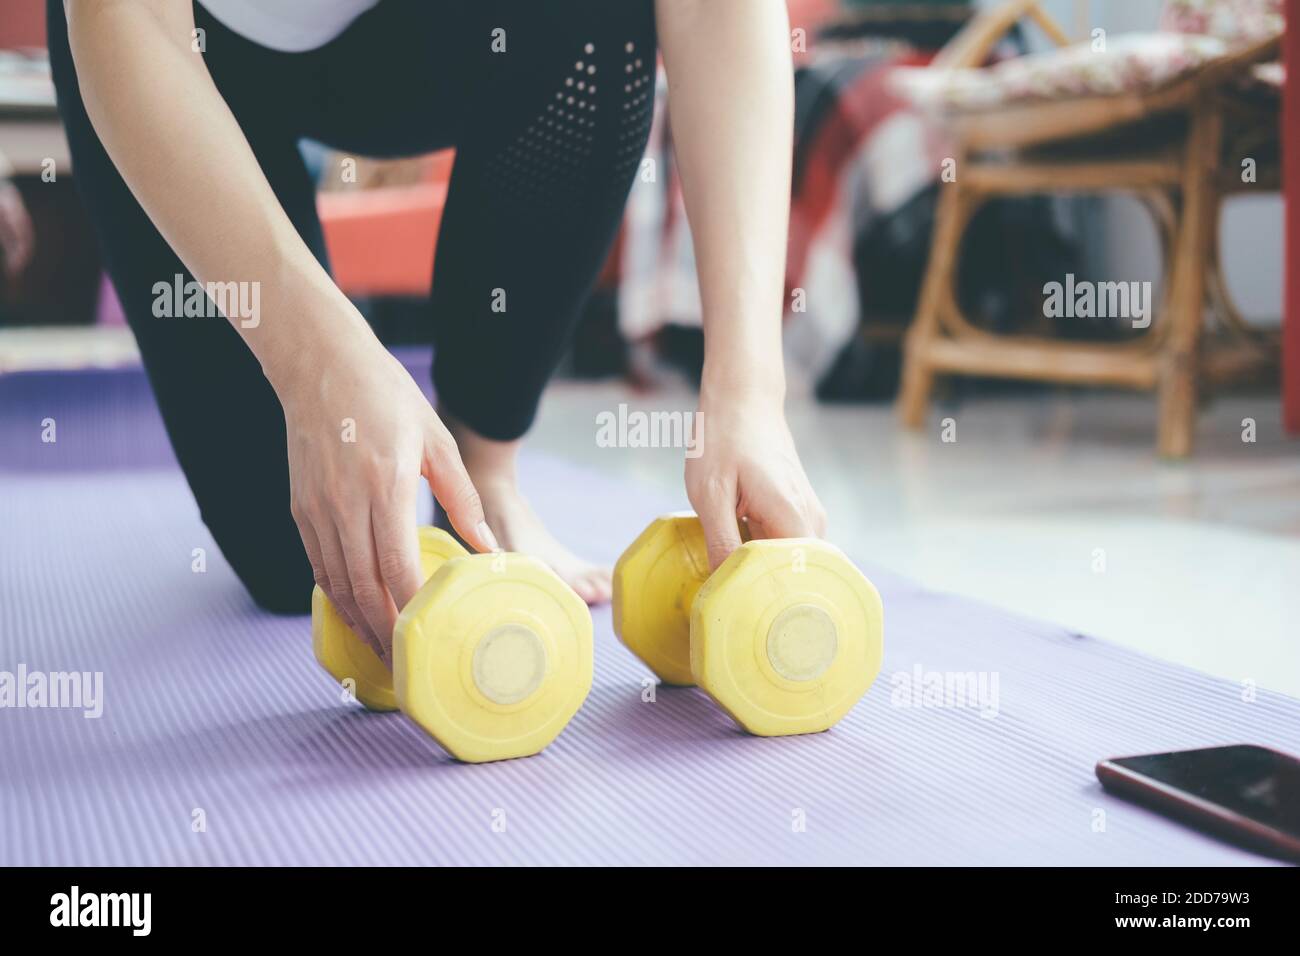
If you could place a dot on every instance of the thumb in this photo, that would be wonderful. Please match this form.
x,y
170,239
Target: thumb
x,y
451,485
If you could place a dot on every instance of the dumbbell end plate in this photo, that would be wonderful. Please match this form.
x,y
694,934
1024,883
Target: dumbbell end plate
x,y
493,657
787,635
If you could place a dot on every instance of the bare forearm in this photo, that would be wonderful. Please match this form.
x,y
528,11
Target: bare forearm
x,y
184,157
731,102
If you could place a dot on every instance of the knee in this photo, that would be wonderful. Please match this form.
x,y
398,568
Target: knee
x,y
283,588
273,567
279,597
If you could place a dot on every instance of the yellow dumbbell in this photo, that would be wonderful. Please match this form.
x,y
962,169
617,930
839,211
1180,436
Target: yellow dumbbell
x,y
655,582
492,657
786,635
347,657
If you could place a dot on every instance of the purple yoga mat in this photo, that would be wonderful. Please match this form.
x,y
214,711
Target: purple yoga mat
x,y
216,714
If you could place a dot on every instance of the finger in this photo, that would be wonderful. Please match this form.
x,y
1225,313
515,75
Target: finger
x,y
782,518
319,570
368,591
451,485
721,531
309,544
340,591
397,543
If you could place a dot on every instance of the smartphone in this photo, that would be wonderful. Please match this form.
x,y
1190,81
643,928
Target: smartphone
x,y
1247,794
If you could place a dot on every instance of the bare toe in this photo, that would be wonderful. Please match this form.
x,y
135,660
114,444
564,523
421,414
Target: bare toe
x,y
585,590
601,583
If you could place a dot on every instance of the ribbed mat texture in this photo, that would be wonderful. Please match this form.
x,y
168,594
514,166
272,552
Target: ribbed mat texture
x,y
222,742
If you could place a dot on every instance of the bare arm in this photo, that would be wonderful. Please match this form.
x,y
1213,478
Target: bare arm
x,y
178,147
185,158
731,103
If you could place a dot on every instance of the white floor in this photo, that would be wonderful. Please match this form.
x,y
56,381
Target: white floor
x,y
1054,506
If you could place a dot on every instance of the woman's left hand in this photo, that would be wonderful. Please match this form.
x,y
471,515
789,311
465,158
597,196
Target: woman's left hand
x,y
745,465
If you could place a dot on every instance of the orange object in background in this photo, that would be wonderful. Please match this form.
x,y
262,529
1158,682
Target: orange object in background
x,y
23,25
381,239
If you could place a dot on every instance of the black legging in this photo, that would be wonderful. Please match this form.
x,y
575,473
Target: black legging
x,y
548,137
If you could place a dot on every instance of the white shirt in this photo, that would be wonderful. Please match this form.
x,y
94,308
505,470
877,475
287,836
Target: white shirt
x,y
288,25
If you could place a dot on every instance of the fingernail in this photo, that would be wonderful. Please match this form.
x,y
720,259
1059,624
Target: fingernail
x,y
487,537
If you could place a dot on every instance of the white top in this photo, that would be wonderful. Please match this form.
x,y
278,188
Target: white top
x,y
289,25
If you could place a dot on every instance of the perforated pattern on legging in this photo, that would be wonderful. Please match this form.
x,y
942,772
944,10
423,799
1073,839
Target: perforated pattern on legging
x,y
638,106
569,146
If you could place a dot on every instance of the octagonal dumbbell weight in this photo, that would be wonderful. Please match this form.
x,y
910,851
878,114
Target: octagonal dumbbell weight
x,y
786,635
492,657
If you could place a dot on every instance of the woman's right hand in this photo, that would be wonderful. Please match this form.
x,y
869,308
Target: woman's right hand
x,y
360,436
180,149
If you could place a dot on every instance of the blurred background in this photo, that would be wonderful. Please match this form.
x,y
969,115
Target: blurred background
x,y
954,162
